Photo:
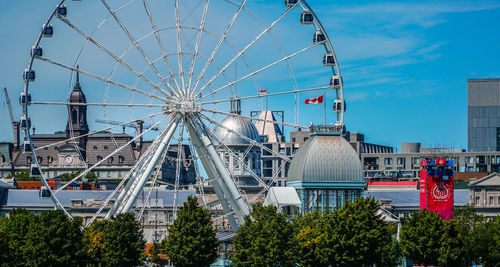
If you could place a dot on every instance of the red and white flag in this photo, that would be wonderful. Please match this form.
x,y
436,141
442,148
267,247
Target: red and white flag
x,y
317,100
262,91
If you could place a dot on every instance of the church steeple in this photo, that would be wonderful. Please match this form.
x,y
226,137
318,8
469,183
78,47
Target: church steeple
x,y
77,114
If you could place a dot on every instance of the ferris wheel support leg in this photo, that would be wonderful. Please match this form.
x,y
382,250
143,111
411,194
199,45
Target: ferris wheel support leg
x,y
220,174
136,183
212,172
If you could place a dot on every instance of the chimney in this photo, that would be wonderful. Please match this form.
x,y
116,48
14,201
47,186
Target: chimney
x,y
139,128
17,134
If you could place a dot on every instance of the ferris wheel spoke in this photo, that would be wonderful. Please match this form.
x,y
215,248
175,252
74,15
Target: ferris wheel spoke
x,y
197,46
253,118
240,161
179,47
112,154
246,48
103,79
221,40
157,36
245,138
98,104
270,183
178,167
257,71
265,95
97,131
115,57
135,43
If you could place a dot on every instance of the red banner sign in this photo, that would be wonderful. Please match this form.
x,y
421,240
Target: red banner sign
x,y
436,194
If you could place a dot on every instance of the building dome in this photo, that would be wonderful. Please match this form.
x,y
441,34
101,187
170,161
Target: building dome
x,y
240,125
326,158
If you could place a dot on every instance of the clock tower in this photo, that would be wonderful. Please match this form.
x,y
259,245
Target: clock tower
x,y
77,116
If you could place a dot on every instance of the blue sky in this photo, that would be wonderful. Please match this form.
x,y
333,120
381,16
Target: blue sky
x,y
405,64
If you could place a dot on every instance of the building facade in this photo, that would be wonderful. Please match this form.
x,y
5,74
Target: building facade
x,y
483,109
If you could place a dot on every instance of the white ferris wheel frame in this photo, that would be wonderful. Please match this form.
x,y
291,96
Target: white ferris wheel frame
x,y
182,105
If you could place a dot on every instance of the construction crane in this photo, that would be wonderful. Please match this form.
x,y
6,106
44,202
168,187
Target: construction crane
x,y
7,100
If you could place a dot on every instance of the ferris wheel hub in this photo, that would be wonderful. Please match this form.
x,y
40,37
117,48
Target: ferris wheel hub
x,y
185,106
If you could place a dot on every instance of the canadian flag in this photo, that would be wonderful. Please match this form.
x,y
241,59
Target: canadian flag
x,y
317,100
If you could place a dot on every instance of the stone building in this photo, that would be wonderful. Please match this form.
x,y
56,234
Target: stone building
x,y
326,171
485,195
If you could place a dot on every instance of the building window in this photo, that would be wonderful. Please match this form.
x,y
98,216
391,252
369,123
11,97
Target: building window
x,y
28,160
121,159
95,147
400,161
99,158
110,160
477,200
105,147
491,201
498,138
388,161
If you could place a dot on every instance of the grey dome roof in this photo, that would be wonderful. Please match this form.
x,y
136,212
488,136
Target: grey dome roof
x,y
325,158
240,125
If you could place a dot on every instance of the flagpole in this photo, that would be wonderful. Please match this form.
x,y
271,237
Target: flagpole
x,y
324,107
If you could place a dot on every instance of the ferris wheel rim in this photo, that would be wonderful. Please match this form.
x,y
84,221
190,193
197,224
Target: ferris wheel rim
x,y
326,43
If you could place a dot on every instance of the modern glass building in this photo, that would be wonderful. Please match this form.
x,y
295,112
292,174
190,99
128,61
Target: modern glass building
x,y
326,172
483,111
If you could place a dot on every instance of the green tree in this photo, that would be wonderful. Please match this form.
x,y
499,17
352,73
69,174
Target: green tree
x,y
123,241
452,245
311,239
22,176
191,240
4,242
489,236
357,236
93,238
16,229
265,239
421,237
55,240
469,226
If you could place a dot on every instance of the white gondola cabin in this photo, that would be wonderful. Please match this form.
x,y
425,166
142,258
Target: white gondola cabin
x,y
35,171
319,37
29,75
291,2
335,82
25,123
62,10
306,17
339,105
27,147
24,98
328,60
36,51
47,30
44,192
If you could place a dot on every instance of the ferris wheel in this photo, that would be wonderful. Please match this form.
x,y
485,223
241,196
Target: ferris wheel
x,y
180,66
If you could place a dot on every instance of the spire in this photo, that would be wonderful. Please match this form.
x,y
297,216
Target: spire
x,y
77,74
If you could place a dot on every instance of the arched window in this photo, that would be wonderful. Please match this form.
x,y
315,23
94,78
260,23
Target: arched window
x,y
99,158
28,160
121,159
105,147
74,116
39,160
95,147
110,160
